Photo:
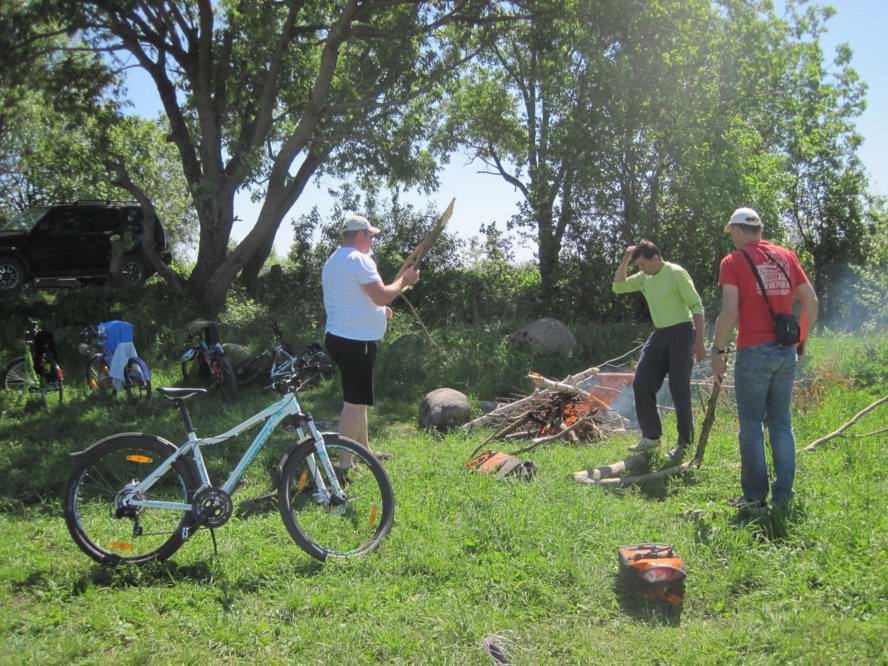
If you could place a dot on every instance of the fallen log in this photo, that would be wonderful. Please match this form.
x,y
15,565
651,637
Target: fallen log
x,y
619,468
608,475
840,432
643,478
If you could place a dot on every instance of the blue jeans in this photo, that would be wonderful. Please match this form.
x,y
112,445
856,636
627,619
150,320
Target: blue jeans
x,y
763,378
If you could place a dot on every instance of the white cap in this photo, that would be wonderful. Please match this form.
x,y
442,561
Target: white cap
x,y
745,216
355,222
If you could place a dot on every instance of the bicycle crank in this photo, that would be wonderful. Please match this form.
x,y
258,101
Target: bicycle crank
x,y
212,507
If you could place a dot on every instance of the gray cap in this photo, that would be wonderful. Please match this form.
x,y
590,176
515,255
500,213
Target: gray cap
x,y
355,222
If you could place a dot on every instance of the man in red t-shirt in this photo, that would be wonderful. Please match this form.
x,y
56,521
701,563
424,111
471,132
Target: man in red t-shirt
x,y
764,370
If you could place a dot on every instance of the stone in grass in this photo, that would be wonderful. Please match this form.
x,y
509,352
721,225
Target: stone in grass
x,y
444,409
545,335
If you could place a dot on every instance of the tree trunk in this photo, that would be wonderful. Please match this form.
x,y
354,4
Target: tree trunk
x,y
250,271
216,220
549,249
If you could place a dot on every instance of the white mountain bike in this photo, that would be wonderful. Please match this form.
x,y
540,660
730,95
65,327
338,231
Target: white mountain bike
x,y
135,497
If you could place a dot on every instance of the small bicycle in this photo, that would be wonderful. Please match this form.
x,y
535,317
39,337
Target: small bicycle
x,y
135,497
208,355
37,370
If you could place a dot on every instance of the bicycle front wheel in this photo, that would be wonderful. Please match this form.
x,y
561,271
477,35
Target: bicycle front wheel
x,y
110,532
230,390
328,527
17,378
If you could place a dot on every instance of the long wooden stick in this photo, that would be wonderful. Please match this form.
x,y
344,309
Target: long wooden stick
x,y
422,249
813,445
708,421
423,326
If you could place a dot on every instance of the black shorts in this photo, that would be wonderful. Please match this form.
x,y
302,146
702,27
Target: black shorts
x,y
355,359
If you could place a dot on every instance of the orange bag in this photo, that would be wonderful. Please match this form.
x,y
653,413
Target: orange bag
x,y
502,464
654,571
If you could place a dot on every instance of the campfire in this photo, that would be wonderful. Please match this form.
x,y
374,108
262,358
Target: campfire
x,y
559,410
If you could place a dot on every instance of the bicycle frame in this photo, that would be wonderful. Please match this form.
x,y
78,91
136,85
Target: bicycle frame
x,y
272,415
287,359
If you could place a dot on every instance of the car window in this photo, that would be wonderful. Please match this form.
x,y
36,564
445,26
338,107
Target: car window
x,y
59,222
24,221
100,220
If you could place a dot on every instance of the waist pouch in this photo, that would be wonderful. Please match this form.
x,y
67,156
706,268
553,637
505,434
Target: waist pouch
x,y
787,328
503,465
652,570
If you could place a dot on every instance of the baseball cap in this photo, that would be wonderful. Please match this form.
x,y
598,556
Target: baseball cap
x,y
355,222
744,216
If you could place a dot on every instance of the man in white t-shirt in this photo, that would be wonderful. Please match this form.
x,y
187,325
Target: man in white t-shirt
x,y
356,302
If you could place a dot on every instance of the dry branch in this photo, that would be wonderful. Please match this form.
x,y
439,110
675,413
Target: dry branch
x,y
839,433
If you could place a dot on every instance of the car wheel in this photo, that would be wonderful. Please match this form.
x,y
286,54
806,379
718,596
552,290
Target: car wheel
x,y
132,270
12,275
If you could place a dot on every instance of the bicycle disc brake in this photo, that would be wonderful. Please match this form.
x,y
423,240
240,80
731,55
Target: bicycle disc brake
x,y
212,507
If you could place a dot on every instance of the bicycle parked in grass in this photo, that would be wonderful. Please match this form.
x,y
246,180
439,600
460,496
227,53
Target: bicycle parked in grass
x,y
112,360
135,497
273,363
37,370
206,360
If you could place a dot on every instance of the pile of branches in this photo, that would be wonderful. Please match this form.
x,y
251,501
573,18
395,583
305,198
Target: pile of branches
x,y
555,410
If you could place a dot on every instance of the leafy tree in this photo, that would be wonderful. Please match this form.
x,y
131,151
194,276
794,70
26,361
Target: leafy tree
x,y
826,190
266,95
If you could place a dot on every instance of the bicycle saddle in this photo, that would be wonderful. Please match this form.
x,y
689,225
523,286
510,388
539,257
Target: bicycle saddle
x,y
180,393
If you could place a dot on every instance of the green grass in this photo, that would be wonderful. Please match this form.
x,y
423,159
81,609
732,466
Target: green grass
x,y
468,556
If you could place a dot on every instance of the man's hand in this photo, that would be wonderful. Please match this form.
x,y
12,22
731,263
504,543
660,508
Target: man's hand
x,y
410,277
699,351
719,364
388,312
628,253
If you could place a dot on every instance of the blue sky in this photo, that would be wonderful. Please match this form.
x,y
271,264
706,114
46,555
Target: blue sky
x,y
482,199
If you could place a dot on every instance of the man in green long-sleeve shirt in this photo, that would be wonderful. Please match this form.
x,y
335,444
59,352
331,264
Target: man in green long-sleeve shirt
x,y
677,313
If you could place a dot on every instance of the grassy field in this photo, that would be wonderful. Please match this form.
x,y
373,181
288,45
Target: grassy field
x,y
469,557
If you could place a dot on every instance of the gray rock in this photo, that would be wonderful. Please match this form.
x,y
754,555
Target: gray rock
x,y
444,409
545,335
488,406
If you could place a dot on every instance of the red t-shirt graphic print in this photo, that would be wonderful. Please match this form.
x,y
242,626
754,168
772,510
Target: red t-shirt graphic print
x,y
756,324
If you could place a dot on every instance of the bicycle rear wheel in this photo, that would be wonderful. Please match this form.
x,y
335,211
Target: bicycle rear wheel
x,y
98,378
333,528
110,533
16,376
53,385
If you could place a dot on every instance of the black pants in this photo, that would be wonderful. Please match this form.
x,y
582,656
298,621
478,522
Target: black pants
x,y
355,359
668,351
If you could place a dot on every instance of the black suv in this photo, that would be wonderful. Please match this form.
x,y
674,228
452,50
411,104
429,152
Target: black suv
x,y
72,241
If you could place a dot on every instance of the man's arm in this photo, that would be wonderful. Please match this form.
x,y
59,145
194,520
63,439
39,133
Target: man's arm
x,y
692,299
620,275
623,284
383,294
806,294
724,327
699,338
